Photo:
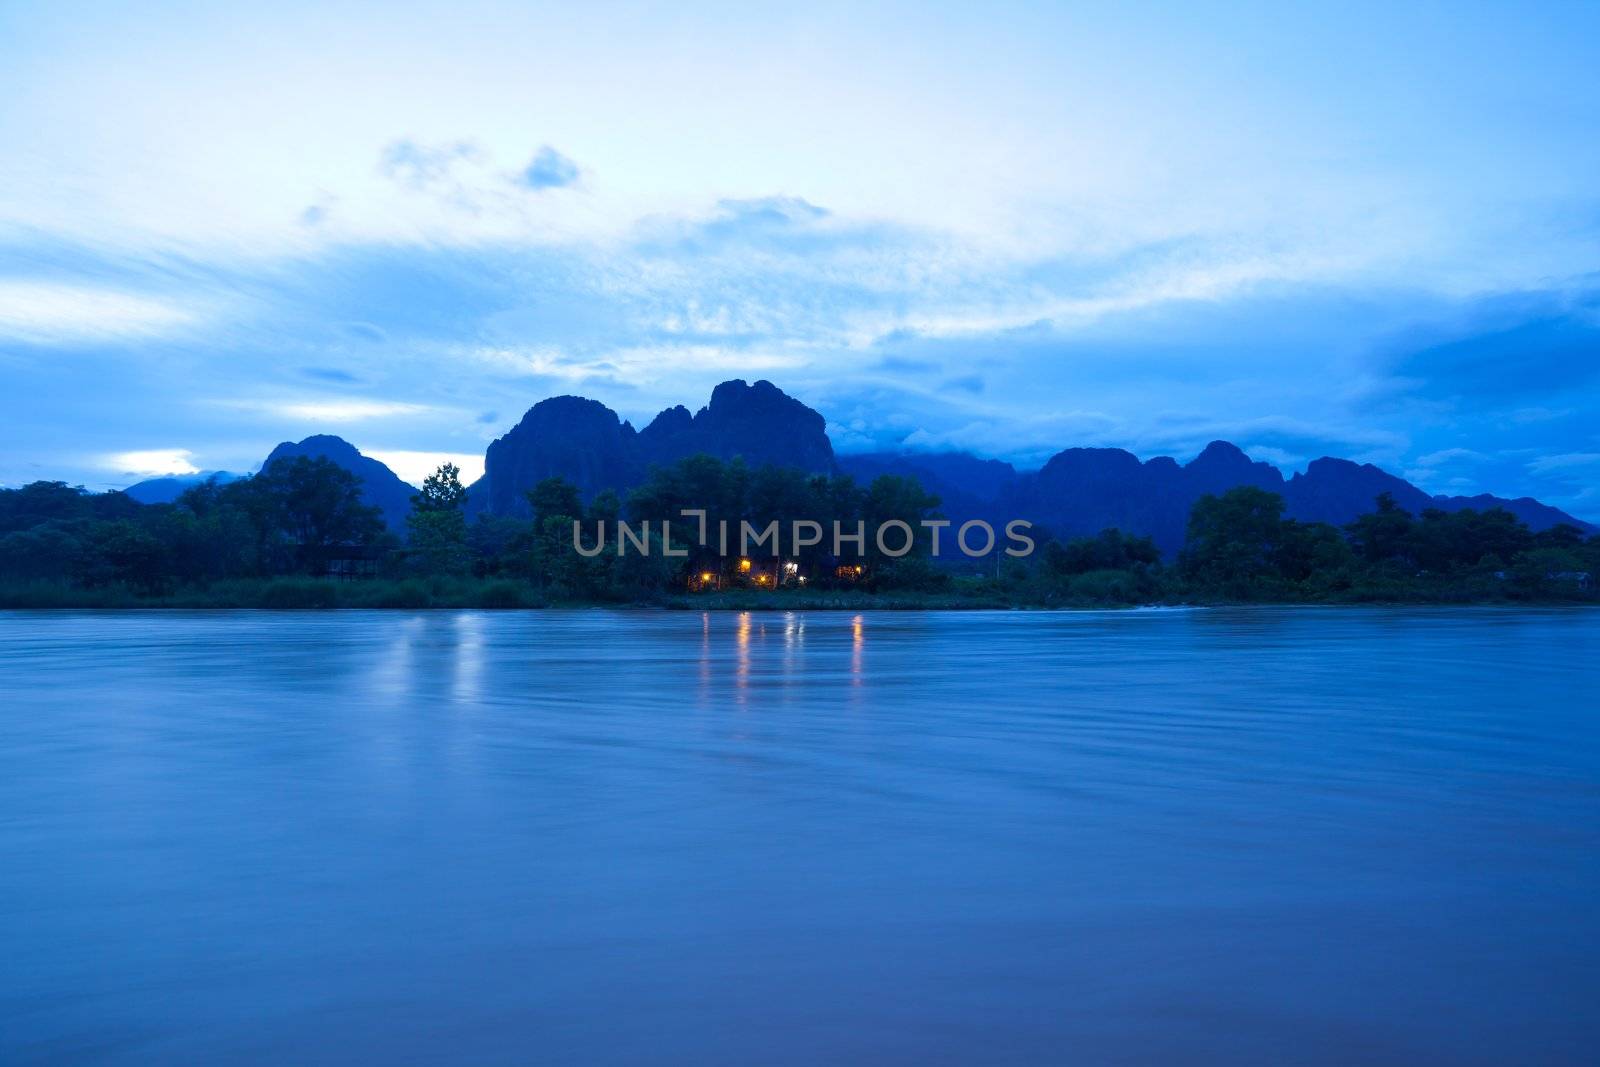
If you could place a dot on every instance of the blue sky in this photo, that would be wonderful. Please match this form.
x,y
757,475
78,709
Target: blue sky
x,y
1341,229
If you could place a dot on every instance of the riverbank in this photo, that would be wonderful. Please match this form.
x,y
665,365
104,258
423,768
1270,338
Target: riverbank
x,y
507,594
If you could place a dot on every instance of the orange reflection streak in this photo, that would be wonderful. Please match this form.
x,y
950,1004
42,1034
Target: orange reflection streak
x,y
741,675
858,640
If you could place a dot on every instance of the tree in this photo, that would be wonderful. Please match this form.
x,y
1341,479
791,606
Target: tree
x,y
46,552
1384,534
1110,550
318,503
1561,535
441,491
1313,552
555,497
122,552
1234,538
892,498
1538,569
437,525
556,504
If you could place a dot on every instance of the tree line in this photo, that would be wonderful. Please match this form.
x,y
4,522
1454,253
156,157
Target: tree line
x,y
304,518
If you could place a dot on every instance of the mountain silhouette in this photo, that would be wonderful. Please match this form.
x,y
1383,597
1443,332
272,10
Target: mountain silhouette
x,y
380,487
586,443
1078,492
568,437
760,422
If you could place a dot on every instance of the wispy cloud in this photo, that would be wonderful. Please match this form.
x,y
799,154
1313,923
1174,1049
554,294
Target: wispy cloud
x,y
330,410
1570,461
421,165
49,313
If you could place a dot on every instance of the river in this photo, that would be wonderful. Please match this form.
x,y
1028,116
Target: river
x,y
1315,836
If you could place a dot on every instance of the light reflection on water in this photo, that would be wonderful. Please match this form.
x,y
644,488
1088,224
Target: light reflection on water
x,y
1229,836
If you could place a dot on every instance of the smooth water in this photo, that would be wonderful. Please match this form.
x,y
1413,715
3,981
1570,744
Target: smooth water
x,y
1232,836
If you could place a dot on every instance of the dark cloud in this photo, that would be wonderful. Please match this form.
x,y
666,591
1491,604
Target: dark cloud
x,y
1550,349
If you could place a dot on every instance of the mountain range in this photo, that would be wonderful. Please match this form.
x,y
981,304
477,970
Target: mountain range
x,y
1079,491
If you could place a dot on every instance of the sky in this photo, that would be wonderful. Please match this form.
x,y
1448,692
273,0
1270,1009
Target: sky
x,y
1369,231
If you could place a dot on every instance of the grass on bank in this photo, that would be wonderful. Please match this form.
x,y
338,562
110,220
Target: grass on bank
x,y
1095,591
290,592
443,592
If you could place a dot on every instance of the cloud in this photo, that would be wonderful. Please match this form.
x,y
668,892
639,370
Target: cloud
x,y
46,313
1567,462
152,463
777,211
549,170
419,166
820,303
1513,347
412,466
1275,456
782,224
1448,455
333,410
627,366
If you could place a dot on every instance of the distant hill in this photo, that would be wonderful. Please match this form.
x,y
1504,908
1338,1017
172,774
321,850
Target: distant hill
x,y
380,487
966,486
1081,491
168,489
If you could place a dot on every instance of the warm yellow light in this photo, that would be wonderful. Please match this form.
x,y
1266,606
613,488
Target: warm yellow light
x,y
744,566
707,576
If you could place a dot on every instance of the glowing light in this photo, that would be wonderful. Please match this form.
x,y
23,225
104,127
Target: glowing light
x,y
744,566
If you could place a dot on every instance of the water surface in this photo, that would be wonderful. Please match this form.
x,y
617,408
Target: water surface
x,y
1237,836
